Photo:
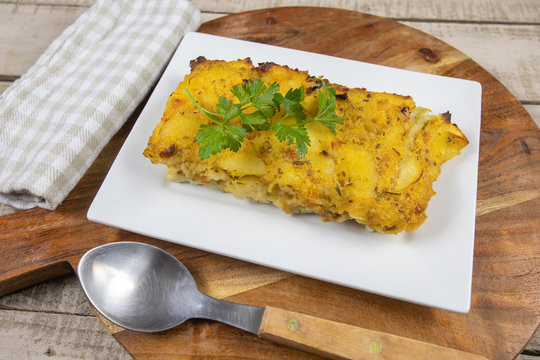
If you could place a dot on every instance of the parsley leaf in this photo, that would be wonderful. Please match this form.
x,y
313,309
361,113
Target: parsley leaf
x,y
265,101
331,120
327,99
242,94
227,109
256,94
293,135
212,139
256,108
255,121
327,107
292,103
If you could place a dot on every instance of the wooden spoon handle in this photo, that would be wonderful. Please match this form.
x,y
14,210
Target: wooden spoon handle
x,y
341,341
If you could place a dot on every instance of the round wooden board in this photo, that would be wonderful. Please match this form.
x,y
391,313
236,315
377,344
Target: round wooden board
x,y
37,244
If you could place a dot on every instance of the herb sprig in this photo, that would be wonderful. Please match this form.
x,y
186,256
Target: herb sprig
x,y
256,107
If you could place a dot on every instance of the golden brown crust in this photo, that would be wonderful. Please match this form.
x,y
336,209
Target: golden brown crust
x,y
378,170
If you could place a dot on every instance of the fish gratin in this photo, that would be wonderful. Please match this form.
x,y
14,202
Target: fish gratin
x,y
378,169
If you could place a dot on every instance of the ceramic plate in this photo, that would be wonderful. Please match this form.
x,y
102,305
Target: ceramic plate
x,y
430,266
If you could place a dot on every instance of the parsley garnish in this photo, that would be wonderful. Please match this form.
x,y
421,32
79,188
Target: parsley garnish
x,y
256,107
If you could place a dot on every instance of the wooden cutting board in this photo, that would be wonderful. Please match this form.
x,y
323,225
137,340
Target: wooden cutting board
x,y
37,245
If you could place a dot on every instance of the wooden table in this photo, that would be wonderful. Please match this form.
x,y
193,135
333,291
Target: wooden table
x,y
53,319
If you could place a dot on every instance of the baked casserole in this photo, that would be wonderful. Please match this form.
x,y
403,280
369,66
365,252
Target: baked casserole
x,y
378,169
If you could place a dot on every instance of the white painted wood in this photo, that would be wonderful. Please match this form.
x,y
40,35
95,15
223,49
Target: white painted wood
x,y
27,30
42,332
534,343
511,53
527,357
6,209
526,11
39,335
523,11
4,85
206,16
534,111
63,296
83,3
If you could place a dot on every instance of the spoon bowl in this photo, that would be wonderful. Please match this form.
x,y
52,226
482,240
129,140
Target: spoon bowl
x,y
143,288
138,286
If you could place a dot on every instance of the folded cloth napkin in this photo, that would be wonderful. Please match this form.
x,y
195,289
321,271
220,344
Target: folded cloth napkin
x,y
57,117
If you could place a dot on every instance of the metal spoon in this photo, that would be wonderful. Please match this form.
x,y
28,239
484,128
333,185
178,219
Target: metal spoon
x,y
143,288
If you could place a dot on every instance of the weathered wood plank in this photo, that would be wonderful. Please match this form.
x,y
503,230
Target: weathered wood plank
x,y
63,295
534,111
38,335
527,357
27,30
525,11
511,53
534,344
532,350
6,209
207,16
83,3
4,85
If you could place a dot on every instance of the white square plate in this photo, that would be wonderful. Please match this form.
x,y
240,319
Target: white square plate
x,y
430,266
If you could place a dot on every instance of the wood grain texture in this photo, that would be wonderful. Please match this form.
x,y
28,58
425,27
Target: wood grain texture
x,y
342,341
534,111
4,85
65,296
62,296
506,299
456,10
509,52
6,209
523,11
58,336
502,51
27,30
73,3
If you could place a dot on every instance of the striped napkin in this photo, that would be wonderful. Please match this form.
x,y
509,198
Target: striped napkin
x,y
57,117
